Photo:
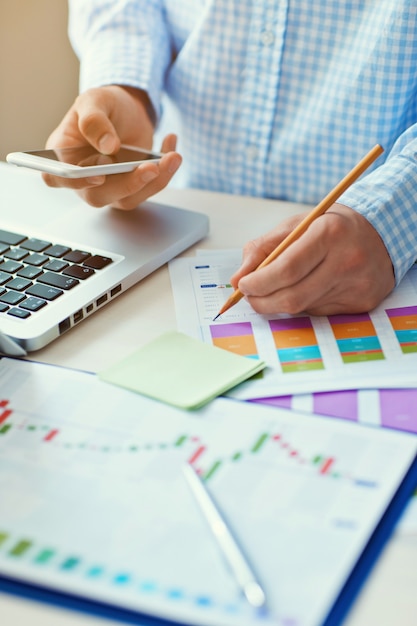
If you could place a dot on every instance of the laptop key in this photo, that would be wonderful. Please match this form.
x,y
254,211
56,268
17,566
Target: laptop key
x,y
35,245
4,277
78,271
30,271
77,256
10,267
12,297
97,262
19,284
44,292
33,304
37,259
56,265
16,254
19,313
11,238
57,280
57,250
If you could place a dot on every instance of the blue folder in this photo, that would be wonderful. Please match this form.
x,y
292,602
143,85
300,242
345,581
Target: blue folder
x,y
335,617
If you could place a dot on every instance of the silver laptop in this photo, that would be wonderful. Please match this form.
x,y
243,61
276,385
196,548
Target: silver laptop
x,y
61,260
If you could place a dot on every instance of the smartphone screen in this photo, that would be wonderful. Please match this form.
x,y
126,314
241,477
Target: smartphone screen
x,y
87,156
82,161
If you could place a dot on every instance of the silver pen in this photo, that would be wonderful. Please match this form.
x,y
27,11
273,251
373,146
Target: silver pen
x,y
227,543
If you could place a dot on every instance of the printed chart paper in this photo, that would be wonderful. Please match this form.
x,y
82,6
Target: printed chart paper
x,y
94,501
303,353
389,408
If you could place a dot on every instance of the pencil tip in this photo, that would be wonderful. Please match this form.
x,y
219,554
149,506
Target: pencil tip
x,y
218,315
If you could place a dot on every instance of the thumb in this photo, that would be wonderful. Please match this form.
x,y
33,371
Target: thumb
x,y
96,127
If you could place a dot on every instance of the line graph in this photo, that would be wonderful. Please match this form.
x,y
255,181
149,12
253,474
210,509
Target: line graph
x,y
195,450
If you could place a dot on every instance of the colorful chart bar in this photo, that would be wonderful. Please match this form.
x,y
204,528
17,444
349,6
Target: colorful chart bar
x,y
343,404
196,455
283,402
51,435
44,556
260,442
399,409
296,344
181,440
396,408
52,559
356,338
213,469
20,548
237,338
5,415
70,563
404,322
327,465
216,286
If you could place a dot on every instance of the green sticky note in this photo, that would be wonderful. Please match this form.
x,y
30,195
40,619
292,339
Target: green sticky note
x,y
182,371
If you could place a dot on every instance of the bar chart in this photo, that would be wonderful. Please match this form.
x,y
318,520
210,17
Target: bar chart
x,y
356,338
388,408
404,323
304,354
296,344
237,338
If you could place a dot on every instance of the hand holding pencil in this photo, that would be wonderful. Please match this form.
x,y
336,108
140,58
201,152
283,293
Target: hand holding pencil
x,y
335,265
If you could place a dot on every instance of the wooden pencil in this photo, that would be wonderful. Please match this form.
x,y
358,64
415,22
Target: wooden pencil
x,y
321,208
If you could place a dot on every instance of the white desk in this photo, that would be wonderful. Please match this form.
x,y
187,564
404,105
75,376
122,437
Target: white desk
x,y
389,596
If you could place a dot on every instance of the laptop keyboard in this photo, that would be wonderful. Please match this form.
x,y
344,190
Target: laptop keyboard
x,y
34,272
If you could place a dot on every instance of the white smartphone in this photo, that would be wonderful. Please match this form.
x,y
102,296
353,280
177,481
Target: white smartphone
x,y
82,161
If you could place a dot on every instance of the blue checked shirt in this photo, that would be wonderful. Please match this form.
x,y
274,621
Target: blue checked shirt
x,y
274,98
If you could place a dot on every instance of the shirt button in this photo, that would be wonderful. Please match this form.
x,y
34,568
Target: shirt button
x,y
267,38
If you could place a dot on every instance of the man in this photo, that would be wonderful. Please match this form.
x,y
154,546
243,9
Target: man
x,y
272,98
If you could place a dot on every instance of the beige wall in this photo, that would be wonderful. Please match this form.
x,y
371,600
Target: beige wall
x,y
38,72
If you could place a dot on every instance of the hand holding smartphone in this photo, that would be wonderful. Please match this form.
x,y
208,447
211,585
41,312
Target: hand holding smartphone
x,y
83,161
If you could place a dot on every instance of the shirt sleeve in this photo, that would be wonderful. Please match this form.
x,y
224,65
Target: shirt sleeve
x,y
387,198
124,42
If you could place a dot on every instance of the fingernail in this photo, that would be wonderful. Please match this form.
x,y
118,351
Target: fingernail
x,y
174,165
149,175
106,143
95,180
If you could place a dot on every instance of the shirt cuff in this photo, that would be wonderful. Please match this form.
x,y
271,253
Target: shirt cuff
x,y
112,60
387,198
